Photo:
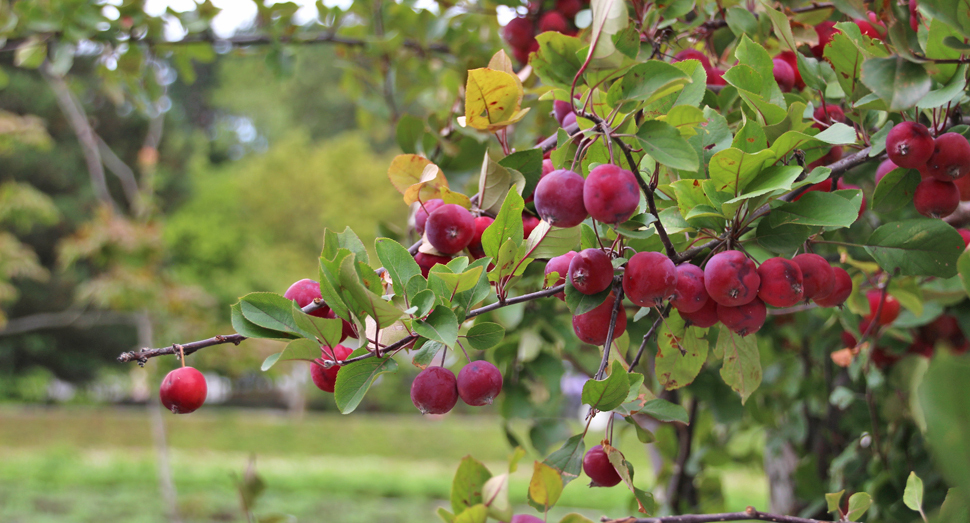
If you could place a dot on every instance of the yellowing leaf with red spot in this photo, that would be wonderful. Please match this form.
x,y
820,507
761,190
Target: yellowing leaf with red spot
x,y
405,171
428,187
493,100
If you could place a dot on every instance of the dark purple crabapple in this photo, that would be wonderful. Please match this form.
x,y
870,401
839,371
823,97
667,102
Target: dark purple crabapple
x,y
450,228
559,199
731,278
593,326
596,465
781,282
479,382
611,194
818,278
591,271
434,390
649,279
689,293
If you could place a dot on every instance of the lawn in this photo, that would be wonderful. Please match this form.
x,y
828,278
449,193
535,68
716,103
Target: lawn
x,y
98,465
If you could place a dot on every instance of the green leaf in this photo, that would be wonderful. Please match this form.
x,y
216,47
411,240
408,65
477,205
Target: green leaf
x,y
755,56
663,410
783,239
301,349
944,397
548,242
922,247
398,262
464,301
424,301
664,143
951,92
333,242
675,369
545,487
750,138
732,169
913,495
557,61
834,501
447,284
580,303
609,393
859,503
646,82
781,25
474,514
425,353
466,488
485,335
846,60
895,190
742,362
445,516
643,435
31,53
529,164
355,379
741,21
251,330
327,330
568,459
366,302
441,326
817,208
330,282
772,179
948,12
409,131
507,226
901,83
268,310
575,518
963,266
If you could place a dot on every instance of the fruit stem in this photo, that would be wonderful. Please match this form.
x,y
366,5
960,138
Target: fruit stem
x,y
182,351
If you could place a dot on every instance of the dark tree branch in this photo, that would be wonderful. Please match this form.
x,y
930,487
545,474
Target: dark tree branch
x,y
646,338
608,346
143,355
550,143
750,514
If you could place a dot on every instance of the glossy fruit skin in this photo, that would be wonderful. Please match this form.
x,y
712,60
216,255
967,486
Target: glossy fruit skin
x,y
789,58
591,271
593,326
421,215
518,32
553,21
784,75
818,277
692,54
936,199
529,223
434,390
715,76
965,234
649,279
560,109
569,8
824,30
886,167
450,228
427,261
478,383
568,120
596,465
704,317
827,115
745,319
475,247
183,390
325,379
840,291
611,194
731,279
909,144
781,282
559,198
560,264
304,292
890,307
963,185
690,295
950,158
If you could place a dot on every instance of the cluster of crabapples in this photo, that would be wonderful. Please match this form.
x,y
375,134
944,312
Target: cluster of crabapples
x,y
558,16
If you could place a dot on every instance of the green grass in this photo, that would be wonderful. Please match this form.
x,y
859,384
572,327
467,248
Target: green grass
x,y
98,465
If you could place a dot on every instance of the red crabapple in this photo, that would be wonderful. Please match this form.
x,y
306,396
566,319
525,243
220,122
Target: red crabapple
x,y
692,54
913,16
427,261
325,379
784,75
553,21
790,59
649,278
596,465
475,247
950,158
450,228
965,234
704,317
591,271
183,390
909,144
781,282
848,339
560,109
743,319
963,185
834,155
559,199
922,348
731,279
935,198
689,294
824,30
611,194
518,32
560,265
827,115
547,167
569,8
421,215
818,277
882,358
593,326
886,167
434,390
890,307
478,383
568,120
304,292
840,291
529,223
715,76
873,27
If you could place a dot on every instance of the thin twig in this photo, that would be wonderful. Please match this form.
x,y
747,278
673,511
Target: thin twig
x,y
643,345
614,314
749,514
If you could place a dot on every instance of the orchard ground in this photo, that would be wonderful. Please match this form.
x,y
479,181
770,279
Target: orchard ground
x,y
98,464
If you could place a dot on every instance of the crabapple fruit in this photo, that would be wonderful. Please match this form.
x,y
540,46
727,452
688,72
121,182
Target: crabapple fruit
x,y
479,382
591,271
183,390
529,223
450,228
818,277
840,291
559,199
649,278
965,234
909,144
475,247
525,518
827,115
427,261
518,32
560,109
692,54
560,265
889,311
784,75
303,293
935,198
325,379
781,282
553,21
611,194
689,293
873,27
950,158
421,215
731,279
789,58
596,465
593,326
704,317
434,390
743,319
569,8
825,31
715,76
886,167
834,155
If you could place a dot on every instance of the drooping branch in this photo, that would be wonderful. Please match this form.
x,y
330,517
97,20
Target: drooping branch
x,y
58,320
750,514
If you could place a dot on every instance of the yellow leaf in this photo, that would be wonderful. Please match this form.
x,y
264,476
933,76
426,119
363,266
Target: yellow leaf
x,y
491,97
405,170
428,186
